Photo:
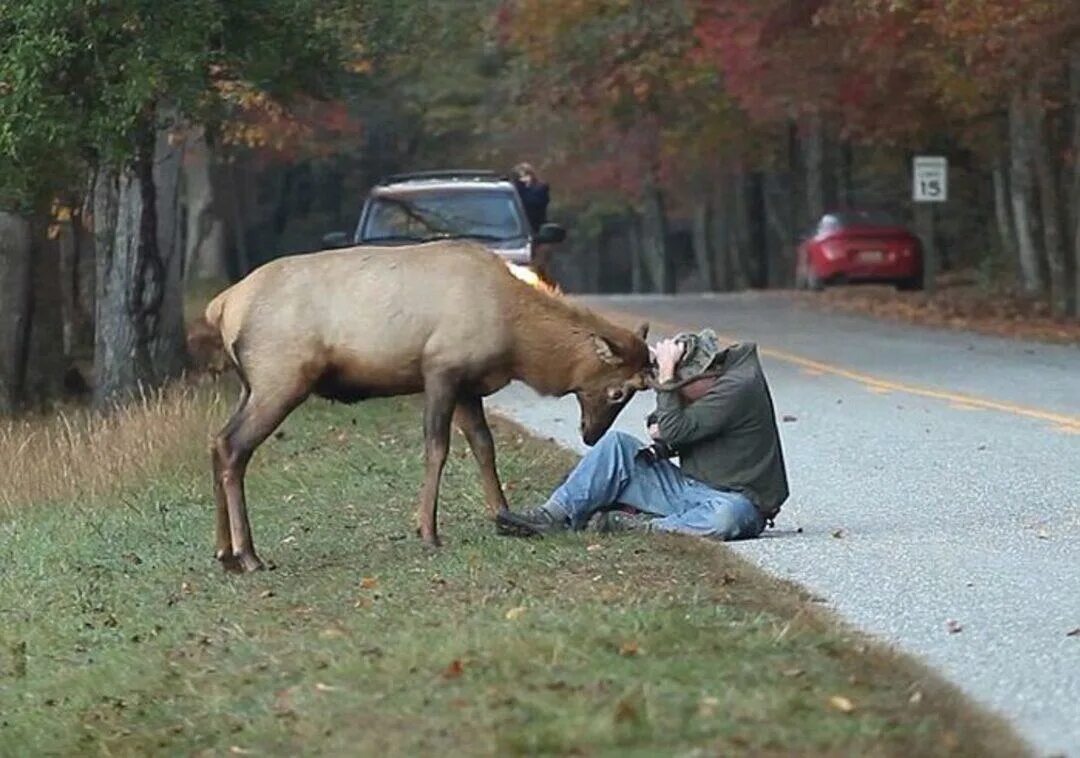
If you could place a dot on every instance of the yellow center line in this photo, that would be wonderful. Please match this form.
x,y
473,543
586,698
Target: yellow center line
x,y
1061,422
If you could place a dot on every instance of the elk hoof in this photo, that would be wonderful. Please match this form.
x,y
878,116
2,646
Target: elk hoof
x,y
228,562
249,562
431,542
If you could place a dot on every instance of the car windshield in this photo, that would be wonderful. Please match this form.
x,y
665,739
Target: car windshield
x,y
833,221
417,216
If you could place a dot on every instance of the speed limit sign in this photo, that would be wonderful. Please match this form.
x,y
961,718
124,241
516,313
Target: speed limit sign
x,y
931,179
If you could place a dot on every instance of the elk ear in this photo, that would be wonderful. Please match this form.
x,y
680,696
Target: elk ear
x,y
605,351
643,331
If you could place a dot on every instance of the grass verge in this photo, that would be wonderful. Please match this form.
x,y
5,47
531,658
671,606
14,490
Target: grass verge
x,y
118,635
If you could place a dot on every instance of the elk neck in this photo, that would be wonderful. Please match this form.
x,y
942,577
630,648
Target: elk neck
x,y
550,340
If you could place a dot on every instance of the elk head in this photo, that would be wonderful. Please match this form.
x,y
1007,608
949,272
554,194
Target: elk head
x,y
618,368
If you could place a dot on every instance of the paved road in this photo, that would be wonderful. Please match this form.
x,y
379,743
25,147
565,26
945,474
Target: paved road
x,y
950,462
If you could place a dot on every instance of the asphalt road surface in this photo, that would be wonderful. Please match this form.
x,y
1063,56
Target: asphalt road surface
x,y
935,482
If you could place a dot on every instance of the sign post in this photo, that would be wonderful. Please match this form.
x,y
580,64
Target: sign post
x,y
930,185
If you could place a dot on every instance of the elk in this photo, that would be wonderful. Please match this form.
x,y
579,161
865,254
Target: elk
x,y
444,318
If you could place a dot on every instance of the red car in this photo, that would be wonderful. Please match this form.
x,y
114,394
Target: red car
x,y
859,246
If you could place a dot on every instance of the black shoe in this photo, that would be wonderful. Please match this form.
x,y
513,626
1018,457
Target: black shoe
x,y
532,523
610,522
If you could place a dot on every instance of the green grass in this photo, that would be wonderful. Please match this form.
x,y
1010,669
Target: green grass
x,y
119,635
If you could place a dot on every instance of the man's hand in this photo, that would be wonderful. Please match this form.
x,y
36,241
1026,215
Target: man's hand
x,y
654,431
668,353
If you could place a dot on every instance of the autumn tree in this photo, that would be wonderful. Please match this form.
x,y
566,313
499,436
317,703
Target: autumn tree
x,y
108,90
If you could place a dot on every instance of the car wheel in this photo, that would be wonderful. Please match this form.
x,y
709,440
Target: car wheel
x,y
911,284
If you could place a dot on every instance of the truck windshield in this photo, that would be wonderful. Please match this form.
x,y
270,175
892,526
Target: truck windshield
x,y
418,216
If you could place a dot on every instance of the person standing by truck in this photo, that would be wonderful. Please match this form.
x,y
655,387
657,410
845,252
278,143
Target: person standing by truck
x,y
535,196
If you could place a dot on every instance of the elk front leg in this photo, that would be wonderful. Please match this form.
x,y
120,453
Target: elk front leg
x,y
469,416
439,402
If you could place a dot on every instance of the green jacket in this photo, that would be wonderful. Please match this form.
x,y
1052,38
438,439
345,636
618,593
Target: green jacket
x,y
728,438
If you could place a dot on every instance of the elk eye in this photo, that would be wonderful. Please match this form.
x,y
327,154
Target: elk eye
x,y
616,395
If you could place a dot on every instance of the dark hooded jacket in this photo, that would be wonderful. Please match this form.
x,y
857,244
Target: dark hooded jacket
x,y
728,438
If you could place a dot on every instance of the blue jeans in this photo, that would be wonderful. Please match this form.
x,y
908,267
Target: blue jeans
x,y
612,473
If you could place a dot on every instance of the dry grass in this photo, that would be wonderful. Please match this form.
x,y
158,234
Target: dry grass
x,y
958,304
78,453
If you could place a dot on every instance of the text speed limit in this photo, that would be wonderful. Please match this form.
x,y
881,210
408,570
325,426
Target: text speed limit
x,y
931,179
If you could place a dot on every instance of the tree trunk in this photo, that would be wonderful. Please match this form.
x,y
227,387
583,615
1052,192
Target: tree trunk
x,y
758,242
15,297
45,343
740,233
1003,213
654,238
133,346
168,343
842,173
778,213
637,265
1021,192
721,235
1049,203
702,240
1074,100
76,246
204,254
814,151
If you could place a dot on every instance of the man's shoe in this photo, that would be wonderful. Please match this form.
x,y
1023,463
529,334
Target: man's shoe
x,y
537,522
611,522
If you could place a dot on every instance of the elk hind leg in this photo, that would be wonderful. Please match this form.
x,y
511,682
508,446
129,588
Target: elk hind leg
x,y
223,548
254,422
469,417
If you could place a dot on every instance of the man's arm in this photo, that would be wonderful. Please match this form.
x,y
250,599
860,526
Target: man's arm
x,y
681,425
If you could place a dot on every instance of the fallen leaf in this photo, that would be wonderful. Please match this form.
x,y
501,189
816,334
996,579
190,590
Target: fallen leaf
x,y
629,648
1073,632
454,670
841,703
288,540
787,418
954,626
237,750
707,706
838,534
325,687
630,708
593,547
916,697
515,613
369,582
792,673
266,593
1042,534
187,588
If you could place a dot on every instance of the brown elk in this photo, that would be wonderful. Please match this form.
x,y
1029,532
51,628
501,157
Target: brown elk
x,y
444,318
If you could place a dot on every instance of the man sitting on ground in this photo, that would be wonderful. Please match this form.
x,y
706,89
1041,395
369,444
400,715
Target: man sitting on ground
x,y
715,412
